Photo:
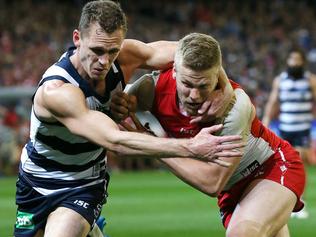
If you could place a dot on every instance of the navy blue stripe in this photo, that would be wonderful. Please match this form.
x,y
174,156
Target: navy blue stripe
x,y
295,123
52,183
296,100
297,112
112,79
66,147
51,165
66,64
307,89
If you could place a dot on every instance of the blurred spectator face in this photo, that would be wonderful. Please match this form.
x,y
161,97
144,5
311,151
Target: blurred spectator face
x,y
295,59
295,63
194,87
97,50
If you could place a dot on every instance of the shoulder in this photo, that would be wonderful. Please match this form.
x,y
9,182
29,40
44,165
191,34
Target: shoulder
x,y
239,118
276,81
61,98
133,54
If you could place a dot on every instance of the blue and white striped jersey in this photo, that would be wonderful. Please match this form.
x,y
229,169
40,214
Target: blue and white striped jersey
x,y
296,103
54,159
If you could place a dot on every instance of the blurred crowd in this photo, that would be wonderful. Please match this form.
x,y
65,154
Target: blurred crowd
x,y
255,37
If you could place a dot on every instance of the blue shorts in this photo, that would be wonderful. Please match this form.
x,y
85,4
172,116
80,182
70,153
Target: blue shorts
x,y
34,208
297,139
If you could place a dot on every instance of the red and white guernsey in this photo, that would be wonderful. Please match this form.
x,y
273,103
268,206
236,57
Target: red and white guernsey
x,y
261,142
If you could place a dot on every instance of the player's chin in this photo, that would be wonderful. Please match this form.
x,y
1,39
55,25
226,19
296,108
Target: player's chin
x,y
98,75
192,112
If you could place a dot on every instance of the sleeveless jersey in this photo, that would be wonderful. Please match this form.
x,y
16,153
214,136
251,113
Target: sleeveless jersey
x,y
261,142
296,103
54,159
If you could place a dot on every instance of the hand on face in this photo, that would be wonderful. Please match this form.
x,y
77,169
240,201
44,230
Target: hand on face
x,y
214,107
217,102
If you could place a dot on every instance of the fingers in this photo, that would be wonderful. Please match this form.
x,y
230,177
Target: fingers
x,y
127,126
132,104
231,146
119,115
204,107
212,129
137,123
229,153
221,163
122,104
120,98
119,106
230,138
196,119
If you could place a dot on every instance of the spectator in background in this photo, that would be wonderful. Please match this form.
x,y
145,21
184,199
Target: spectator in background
x,y
293,95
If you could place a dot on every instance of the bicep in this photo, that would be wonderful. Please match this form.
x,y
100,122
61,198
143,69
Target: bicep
x,y
136,54
162,56
67,105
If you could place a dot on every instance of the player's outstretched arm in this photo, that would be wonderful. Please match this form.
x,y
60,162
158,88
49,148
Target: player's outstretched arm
x,y
66,103
208,177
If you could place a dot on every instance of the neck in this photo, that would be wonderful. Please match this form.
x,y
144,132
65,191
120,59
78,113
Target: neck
x,y
74,59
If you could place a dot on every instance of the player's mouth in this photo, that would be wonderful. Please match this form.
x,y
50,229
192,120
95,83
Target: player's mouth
x,y
99,71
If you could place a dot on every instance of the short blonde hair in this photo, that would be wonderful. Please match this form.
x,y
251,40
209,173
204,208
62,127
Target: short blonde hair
x,y
198,52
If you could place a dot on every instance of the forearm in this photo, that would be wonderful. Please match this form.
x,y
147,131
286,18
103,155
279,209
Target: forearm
x,y
107,134
133,144
207,177
163,55
225,84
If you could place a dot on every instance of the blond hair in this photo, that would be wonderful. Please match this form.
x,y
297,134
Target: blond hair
x,y
198,52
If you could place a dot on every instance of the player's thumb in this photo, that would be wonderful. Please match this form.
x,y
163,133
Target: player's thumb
x,y
204,107
132,103
214,128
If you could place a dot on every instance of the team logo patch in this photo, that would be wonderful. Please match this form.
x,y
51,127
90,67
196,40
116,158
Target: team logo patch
x,y
24,220
250,168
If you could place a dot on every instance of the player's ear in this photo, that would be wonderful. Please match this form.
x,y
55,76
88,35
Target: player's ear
x,y
76,38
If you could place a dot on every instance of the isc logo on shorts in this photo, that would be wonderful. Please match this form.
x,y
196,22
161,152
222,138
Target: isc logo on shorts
x,y
81,203
250,168
24,220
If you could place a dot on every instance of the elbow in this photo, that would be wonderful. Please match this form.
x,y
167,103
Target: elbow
x,y
212,189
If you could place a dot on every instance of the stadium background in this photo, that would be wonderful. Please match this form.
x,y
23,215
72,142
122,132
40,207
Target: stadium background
x,y
255,37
